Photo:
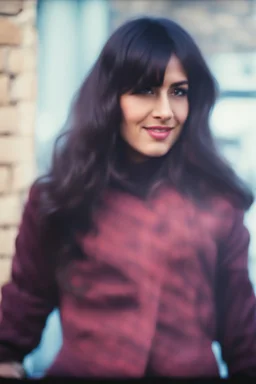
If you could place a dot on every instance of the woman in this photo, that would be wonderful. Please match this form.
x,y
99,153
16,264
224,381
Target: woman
x,y
136,233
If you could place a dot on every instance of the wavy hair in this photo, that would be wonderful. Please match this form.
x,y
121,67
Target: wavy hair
x,y
85,155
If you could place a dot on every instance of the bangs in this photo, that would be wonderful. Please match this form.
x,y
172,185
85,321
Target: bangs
x,y
143,63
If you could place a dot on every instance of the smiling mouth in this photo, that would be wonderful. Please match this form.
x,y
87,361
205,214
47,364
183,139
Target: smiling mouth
x,y
159,129
159,133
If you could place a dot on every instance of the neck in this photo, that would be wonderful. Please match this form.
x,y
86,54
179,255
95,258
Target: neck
x,y
133,156
139,175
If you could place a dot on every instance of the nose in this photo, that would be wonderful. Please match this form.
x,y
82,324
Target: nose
x,y
162,108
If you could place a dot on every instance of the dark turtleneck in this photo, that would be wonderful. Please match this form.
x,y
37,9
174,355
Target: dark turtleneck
x,y
138,177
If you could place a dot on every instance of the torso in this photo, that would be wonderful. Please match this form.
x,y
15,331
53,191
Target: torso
x,y
147,284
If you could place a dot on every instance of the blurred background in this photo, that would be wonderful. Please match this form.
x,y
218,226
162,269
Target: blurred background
x,y
66,37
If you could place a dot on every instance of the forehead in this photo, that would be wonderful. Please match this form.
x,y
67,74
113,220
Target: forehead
x,y
174,71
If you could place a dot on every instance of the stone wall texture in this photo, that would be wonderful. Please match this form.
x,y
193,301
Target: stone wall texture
x,y
18,42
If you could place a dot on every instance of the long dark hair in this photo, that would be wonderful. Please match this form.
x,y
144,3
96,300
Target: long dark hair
x,y
85,154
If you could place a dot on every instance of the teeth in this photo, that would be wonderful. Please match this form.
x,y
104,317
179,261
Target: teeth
x,y
160,130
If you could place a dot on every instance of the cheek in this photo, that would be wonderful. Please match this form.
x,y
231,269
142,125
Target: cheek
x,y
133,110
182,112
128,109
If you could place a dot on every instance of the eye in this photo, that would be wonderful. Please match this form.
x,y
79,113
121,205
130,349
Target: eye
x,y
144,91
180,92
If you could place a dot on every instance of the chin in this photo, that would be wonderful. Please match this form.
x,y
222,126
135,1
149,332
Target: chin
x,y
158,153
150,153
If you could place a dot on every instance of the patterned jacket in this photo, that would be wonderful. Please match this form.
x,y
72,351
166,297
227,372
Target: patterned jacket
x,y
162,279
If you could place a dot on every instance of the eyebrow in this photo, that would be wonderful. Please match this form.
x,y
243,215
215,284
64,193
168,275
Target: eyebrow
x,y
179,83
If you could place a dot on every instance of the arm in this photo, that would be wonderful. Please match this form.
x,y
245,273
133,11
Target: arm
x,y
31,293
236,302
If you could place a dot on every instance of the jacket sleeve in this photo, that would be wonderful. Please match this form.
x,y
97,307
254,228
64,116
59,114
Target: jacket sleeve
x,y
236,302
31,293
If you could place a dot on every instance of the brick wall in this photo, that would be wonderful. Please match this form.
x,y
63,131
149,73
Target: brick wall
x,y
17,115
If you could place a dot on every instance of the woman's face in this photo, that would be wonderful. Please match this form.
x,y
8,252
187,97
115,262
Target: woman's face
x,y
153,118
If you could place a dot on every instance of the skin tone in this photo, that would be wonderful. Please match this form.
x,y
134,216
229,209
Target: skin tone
x,y
149,111
12,370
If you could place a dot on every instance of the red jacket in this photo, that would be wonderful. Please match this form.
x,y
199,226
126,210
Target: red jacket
x,y
161,281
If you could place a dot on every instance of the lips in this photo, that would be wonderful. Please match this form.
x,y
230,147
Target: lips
x,y
159,132
159,128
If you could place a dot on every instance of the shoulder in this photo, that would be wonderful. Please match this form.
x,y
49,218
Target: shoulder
x,y
34,193
222,210
218,205
32,202
230,218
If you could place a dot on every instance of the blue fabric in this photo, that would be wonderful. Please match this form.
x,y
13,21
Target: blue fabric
x,y
38,361
223,370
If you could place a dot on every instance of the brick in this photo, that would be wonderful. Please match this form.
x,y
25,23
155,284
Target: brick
x,y
4,89
29,4
27,115
3,58
28,15
10,210
10,33
8,119
15,61
5,271
29,60
10,7
29,36
16,149
7,241
4,179
23,87
23,176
